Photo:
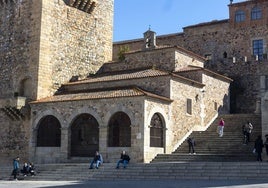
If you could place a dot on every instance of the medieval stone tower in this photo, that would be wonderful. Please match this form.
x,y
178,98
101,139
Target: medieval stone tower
x,y
43,44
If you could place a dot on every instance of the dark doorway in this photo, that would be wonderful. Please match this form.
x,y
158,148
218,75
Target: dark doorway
x,y
49,132
84,136
119,130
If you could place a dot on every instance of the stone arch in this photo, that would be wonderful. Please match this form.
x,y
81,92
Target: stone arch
x,y
163,115
84,135
130,114
48,132
84,110
38,118
119,130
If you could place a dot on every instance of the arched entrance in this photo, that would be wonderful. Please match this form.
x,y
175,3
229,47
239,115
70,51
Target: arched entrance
x,y
84,136
49,132
119,130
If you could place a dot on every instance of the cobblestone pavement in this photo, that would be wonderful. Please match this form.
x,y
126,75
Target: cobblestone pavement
x,y
139,184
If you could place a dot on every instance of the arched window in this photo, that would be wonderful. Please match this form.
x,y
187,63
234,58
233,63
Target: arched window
x,y
156,131
119,130
240,16
224,54
256,13
49,132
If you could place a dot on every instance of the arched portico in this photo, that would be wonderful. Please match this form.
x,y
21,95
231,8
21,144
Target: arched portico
x,y
119,130
84,136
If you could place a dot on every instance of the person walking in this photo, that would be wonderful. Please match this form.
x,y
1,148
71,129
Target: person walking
x,y
191,144
249,128
258,147
16,167
221,127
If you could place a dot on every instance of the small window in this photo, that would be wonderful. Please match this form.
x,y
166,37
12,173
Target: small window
x,y
256,13
225,55
215,106
239,16
208,57
189,106
258,49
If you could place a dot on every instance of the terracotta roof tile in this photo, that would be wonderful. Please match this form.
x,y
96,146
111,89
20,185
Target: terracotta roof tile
x,y
122,76
117,93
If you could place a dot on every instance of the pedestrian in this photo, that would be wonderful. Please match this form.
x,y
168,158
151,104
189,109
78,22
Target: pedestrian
x,y
191,144
97,159
31,169
16,167
25,169
258,147
124,159
221,127
247,130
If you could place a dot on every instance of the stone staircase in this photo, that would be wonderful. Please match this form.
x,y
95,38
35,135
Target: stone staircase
x,y
152,171
211,147
216,158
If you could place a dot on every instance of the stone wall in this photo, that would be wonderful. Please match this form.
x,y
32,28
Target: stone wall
x,y
164,58
73,43
18,52
181,121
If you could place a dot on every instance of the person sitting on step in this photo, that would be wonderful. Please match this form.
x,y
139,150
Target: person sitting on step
x,y
124,159
97,159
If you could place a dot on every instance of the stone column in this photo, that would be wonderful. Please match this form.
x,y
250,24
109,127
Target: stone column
x,y
103,139
32,146
64,144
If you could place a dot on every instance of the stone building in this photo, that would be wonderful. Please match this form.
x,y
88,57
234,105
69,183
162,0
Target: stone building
x,y
235,47
63,98
145,104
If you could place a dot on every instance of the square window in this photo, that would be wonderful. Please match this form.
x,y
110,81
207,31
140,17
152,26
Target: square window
x,y
189,106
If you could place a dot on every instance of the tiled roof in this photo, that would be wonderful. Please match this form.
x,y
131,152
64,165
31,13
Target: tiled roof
x,y
122,76
112,93
208,23
192,68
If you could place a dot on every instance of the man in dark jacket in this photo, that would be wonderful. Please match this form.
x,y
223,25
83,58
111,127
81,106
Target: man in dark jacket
x,y
16,167
97,159
124,159
191,144
258,147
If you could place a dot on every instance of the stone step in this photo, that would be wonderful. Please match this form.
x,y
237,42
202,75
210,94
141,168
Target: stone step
x,y
204,157
230,146
178,170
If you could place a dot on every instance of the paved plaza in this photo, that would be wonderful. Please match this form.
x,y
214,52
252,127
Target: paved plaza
x,y
139,184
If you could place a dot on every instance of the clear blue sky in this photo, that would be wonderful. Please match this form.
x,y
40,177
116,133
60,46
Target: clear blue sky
x,y
133,17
